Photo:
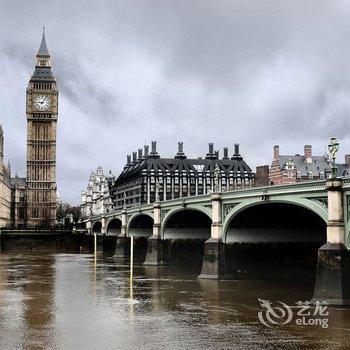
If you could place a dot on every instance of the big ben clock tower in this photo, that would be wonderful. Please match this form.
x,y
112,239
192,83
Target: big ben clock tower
x,y
41,109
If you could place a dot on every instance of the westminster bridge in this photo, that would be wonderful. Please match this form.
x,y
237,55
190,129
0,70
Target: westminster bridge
x,y
235,233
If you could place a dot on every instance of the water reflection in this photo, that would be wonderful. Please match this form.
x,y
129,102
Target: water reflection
x,y
62,301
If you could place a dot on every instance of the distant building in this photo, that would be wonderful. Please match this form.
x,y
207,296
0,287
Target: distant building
x,y
290,169
18,202
5,186
96,199
147,176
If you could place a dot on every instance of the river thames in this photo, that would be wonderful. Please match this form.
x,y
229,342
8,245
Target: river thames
x,y
67,301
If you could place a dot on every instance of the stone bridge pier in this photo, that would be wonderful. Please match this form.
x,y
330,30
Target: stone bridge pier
x,y
333,270
156,247
122,249
214,249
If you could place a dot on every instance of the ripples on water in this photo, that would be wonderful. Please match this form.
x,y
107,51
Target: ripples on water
x,y
61,301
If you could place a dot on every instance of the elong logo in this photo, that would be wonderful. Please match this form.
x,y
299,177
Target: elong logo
x,y
279,313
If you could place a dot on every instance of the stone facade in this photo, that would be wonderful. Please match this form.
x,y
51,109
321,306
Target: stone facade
x,y
5,187
18,202
96,199
286,169
42,111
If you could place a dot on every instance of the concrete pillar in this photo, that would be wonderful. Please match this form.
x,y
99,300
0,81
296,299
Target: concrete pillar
x,y
214,249
122,248
333,270
155,242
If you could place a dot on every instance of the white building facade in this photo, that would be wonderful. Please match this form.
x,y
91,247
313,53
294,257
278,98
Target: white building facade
x,y
96,199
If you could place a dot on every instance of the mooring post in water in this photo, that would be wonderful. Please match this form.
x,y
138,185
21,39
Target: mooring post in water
x,y
95,246
131,264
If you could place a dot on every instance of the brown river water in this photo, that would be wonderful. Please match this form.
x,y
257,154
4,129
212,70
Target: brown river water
x,y
67,301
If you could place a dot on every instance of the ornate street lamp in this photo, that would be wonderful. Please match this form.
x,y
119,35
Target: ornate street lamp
x,y
333,148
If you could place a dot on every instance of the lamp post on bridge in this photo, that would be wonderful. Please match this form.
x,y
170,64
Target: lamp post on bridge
x,y
333,269
333,148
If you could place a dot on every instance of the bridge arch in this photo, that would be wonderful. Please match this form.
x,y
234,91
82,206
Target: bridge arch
x,y
184,232
312,206
140,225
188,209
97,227
274,238
187,223
114,227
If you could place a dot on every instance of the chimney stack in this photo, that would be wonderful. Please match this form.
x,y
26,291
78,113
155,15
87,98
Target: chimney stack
x,y
128,159
154,147
217,154
134,157
276,152
347,159
225,153
308,151
154,153
139,155
180,151
210,154
145,150
236,155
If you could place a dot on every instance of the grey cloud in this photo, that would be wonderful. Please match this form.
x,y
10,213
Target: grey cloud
x,y
254,72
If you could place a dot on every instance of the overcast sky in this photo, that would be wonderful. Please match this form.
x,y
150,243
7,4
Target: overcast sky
x,y
255,72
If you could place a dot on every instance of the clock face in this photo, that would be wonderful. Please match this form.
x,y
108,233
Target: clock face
x,y
42,102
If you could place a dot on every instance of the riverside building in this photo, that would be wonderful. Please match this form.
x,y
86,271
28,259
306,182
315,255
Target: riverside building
x,y
148,177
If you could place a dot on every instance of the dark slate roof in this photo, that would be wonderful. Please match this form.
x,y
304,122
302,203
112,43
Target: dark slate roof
x,y
319,164
42,74
343,170
43,51
172,165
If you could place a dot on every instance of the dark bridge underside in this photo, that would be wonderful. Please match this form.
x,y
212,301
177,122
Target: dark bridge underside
x,y
274,238
188,224
141,226
114,227
185,233
276,222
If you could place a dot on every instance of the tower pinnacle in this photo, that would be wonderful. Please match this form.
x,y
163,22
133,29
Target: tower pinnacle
x,y
43,58
43,51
